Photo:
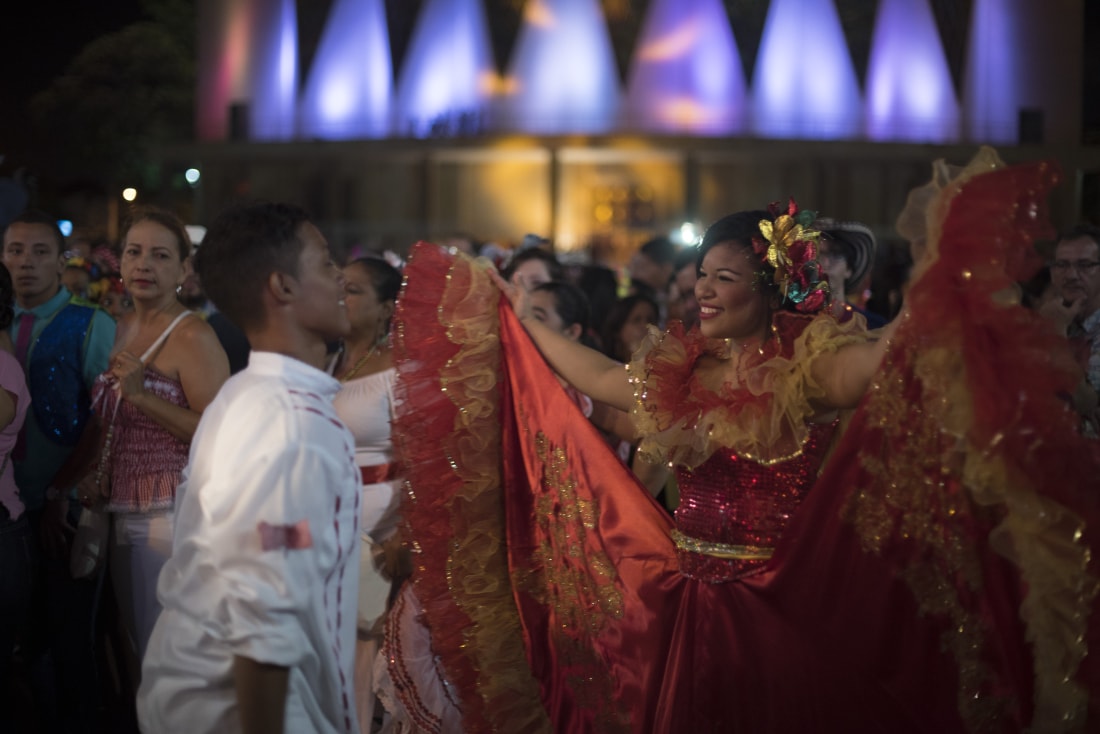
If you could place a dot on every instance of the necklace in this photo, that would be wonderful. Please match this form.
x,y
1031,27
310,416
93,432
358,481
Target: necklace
x,y
745,348
359,364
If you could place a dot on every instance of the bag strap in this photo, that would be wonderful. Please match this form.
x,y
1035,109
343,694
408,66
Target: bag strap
x,y
105,450
164,335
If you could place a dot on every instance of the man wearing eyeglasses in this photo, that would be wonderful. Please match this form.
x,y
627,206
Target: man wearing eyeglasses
x,y
1075,274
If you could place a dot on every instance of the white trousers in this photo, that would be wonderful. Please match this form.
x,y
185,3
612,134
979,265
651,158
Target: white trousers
x,y
140,545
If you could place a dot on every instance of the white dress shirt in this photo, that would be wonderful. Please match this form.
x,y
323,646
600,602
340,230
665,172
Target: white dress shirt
x,y
265,557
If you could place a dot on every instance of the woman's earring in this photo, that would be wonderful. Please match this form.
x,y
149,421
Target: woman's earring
x,y
179,289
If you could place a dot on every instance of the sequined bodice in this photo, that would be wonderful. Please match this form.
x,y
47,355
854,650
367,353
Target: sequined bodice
x,y
731,501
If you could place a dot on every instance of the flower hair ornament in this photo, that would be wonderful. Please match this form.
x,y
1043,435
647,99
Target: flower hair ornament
x,y
790,244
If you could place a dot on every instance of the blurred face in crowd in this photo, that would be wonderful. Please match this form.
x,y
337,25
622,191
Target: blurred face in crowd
x,y
835,266
545,310
637,325
76,280
191,293
544,307
681,296
531,273
116,304
368,313
643,269
33,255
1075,273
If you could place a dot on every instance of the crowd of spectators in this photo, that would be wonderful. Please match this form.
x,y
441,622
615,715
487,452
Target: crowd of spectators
x,y
100,389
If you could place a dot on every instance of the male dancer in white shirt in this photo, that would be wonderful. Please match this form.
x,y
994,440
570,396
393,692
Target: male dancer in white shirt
x,y
259,596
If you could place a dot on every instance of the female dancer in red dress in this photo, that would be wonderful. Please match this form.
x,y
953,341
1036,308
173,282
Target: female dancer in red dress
x,y
933,578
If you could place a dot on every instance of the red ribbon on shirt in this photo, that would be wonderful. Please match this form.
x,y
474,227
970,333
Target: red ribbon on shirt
x,y
292,537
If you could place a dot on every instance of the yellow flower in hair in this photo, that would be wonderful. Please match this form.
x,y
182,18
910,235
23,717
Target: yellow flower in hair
x,y
792,250
778,234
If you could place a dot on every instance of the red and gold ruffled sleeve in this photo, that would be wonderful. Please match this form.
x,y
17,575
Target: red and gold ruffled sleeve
x,y
763,417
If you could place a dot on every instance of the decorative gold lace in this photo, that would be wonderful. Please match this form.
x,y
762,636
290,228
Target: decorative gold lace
x,y
477,569
1040,536
677,428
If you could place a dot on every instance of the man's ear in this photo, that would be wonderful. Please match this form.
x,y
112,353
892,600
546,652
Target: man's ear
x,y
282,287
574,331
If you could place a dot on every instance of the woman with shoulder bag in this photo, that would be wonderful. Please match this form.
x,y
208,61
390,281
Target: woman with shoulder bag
x,y
166,366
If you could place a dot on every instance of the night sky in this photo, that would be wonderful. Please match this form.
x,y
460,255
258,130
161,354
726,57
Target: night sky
x,y
38,47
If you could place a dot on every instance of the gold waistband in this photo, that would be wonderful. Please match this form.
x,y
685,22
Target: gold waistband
x,y
721,550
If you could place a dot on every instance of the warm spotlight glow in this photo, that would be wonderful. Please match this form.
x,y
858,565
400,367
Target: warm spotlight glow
x,y
129,193
538,13
672,43
682,114
686,76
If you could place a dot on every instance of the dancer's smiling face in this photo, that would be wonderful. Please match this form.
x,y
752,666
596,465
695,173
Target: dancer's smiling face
x,y
734,301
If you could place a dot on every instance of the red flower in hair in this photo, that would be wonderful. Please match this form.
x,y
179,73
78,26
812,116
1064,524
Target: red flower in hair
x,y
813,302
800,280
775,209
792,251
759,246
802,252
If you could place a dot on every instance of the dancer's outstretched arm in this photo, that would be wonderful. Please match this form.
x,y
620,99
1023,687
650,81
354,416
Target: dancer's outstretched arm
x,y
846,374
593,373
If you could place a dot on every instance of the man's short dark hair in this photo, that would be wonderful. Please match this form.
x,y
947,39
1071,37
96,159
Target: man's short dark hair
x,y
684,257
241,249
1081,231
660,250
35,216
